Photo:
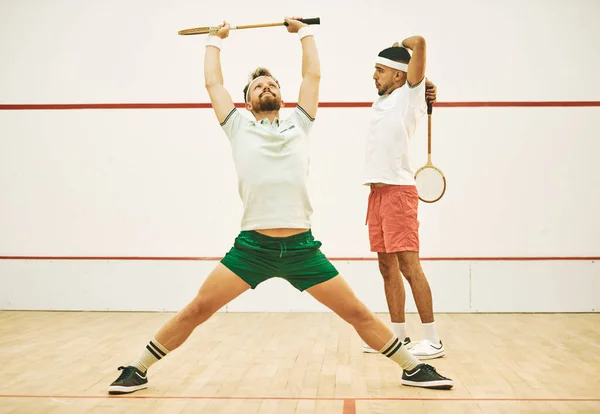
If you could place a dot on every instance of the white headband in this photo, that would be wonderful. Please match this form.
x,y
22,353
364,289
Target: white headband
x,y
392,64
253,80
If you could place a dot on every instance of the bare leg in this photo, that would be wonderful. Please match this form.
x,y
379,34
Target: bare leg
x,y
410,266
339,297
220,288
393,286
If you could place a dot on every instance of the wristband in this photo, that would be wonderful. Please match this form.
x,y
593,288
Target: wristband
x,y
305,31
215,41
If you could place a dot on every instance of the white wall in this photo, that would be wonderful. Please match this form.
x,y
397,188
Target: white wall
x,y
143,182
457,286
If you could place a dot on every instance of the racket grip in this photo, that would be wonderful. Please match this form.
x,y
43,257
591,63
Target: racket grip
x,y
312,20
429,103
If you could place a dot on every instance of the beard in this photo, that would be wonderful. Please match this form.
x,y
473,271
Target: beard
x,y
268,103
383,90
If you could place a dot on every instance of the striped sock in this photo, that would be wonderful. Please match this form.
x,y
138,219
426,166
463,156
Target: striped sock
x,y
153,352
398,353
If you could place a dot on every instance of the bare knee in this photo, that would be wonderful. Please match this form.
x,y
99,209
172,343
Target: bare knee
x,y
197,311
388,265
410,265
357,314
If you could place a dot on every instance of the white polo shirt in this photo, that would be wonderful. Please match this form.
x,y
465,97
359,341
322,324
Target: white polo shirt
x,y
272,162
394,120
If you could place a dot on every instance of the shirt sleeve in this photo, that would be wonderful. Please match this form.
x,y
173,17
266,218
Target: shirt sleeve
x,y
416,95
232,123
302,119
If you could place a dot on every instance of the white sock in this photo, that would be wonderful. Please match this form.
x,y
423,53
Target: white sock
x,y
430,332
398,353
399,329
153,352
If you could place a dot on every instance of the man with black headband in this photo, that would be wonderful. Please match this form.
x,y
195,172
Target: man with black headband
x,y
271,158
393,199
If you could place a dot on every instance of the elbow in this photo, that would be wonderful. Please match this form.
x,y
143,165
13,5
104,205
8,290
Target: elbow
x,y
314,75
210,83
420,41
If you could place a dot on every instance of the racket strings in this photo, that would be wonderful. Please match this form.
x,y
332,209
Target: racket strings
x,y
431,184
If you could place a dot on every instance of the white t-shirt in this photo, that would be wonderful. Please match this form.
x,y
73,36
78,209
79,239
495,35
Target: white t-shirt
x,y
394,121
272,162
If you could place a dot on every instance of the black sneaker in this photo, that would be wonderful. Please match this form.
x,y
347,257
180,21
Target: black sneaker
x,y
130,380
425,376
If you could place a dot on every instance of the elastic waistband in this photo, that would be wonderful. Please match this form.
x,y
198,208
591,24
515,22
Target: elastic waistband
x,y
262,237
392,188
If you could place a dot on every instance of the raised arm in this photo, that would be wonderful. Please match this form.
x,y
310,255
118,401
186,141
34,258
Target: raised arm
x,y
418,60
308,97
213,76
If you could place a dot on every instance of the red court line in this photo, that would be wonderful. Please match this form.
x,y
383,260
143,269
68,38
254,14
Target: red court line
x,y
192,105
349,407
344,399
345,259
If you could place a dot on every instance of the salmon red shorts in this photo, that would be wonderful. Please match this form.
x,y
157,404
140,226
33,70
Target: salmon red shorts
x,y
392,219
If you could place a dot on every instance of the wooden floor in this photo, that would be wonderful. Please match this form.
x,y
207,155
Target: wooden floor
x,y
248,363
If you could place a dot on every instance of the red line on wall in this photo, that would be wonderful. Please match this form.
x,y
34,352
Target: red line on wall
x,y
46,107
516,104
343,259
33,107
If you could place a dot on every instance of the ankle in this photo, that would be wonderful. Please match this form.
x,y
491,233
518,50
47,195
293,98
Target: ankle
x,y
430,332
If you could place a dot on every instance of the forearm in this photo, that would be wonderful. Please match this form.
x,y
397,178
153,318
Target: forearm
x,y
213,75
418,60
311,65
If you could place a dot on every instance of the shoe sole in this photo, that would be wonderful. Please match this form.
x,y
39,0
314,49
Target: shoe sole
x,y
118,390
435,385
430,356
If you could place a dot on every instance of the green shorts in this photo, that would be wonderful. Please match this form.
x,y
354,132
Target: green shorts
x,y
255,258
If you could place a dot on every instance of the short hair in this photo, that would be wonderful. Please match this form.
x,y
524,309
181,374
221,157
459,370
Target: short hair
x,y
396,53
258,72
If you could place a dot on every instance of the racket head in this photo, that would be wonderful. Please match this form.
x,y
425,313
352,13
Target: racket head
x,y
196,31
431,183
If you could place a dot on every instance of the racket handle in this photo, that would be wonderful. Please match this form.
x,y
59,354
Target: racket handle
x,y
312,20
429,103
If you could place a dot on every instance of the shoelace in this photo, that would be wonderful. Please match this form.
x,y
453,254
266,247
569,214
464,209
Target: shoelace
x,y
126,373
431,370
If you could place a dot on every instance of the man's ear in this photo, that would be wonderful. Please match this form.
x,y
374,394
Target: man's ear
x,y
282,103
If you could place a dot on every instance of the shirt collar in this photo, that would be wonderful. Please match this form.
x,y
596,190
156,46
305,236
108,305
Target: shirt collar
x,y
383,101
267,123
